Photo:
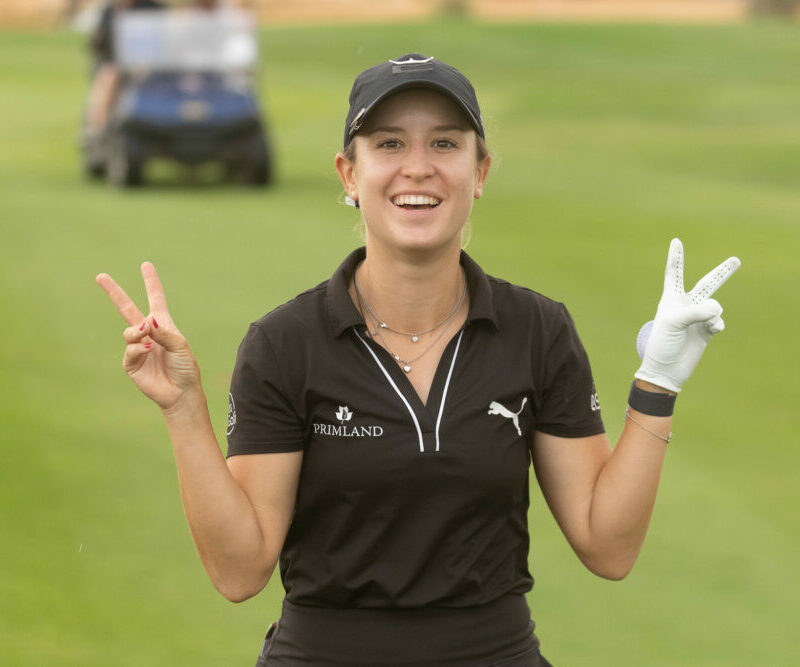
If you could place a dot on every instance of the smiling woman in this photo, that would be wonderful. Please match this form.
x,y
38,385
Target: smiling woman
x,y
415,175
384,422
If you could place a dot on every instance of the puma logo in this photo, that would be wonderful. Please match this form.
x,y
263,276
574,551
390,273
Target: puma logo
x,y
496,408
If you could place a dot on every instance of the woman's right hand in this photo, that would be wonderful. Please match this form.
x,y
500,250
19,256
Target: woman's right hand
x,y
157,357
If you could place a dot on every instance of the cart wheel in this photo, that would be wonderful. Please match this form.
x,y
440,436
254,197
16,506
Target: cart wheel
x,y
94,170
123,168
259,162
94,166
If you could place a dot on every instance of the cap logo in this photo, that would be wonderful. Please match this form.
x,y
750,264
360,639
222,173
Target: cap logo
x,y
411,64
356,123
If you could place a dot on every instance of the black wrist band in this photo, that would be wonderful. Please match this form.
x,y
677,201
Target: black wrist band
x,y
650,402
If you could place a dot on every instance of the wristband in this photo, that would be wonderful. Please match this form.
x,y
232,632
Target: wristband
x,y
651,403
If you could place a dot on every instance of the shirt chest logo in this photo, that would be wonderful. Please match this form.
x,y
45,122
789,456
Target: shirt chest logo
x,y
344,429
496,408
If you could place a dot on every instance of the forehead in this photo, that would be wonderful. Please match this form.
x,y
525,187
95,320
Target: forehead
x,y
417,106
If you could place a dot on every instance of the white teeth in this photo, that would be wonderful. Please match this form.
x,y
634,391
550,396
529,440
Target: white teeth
x,y
415,200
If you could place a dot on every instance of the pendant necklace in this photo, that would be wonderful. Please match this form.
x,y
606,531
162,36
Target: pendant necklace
x,y
413,335
405,364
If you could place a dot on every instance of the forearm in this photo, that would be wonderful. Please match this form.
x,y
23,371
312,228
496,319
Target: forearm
x,y
222,520
238,540
625,494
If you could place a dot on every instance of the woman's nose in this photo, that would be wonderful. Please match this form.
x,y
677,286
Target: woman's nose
x,y
417,163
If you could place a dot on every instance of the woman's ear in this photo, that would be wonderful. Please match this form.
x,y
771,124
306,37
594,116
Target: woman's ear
x,y
346,170
483,172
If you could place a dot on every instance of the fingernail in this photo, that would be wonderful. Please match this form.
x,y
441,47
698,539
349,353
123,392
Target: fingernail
x,y
155,324
147,346
141,328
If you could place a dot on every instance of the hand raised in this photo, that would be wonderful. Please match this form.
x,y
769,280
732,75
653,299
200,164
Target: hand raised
x,y
157,357
671,345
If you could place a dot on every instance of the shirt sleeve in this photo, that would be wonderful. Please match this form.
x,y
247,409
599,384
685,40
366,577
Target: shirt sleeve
x,y
568,402
261,417
101,41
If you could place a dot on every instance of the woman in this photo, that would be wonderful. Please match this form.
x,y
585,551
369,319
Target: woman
x,y
381,424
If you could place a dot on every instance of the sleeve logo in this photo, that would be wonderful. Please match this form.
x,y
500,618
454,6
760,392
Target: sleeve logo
x,y
231,414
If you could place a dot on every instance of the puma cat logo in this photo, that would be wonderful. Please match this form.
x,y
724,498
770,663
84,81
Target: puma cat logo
x,y
496,408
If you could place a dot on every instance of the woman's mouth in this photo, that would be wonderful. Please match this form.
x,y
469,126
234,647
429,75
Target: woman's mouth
x,y
415,202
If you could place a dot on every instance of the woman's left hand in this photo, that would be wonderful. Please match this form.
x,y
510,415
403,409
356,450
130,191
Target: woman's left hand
x,y
671,345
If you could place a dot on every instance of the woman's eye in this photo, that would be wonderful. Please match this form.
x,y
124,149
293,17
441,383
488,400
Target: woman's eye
x,y
389,143
445,143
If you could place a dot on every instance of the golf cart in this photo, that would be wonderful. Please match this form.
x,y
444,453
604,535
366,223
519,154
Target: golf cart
x,y
185,93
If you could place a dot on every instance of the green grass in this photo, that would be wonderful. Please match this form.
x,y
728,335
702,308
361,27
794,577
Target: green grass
x,y
609,141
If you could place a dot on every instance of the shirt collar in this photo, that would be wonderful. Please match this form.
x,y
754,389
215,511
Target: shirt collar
x,y
481,303
344,314
341,309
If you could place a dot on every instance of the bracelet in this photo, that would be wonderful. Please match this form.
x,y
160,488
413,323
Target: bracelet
x,y
644,428
651,403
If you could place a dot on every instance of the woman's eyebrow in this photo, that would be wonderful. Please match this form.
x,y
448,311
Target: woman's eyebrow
x,y
391,129
450,128
383,128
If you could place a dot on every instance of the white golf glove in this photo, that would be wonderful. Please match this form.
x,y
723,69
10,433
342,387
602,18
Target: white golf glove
x,y
671,345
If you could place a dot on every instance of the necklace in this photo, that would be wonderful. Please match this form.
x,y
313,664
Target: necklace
x,y
405,364
414,335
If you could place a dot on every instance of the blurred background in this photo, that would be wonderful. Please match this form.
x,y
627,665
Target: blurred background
x,y
615,126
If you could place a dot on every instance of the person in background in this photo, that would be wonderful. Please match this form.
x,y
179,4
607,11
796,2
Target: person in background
x,y
106,76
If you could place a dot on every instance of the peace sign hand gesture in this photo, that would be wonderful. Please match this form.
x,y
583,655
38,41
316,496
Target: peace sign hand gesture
x,y
672,344
157,357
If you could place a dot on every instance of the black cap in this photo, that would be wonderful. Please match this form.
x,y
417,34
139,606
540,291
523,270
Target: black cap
x,y
412,70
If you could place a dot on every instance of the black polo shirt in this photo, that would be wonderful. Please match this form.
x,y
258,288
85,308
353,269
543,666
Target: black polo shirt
x,y
400,503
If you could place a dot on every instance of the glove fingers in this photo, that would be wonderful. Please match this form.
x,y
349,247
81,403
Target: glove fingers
x,y
698,312
715,325
714,279
673,275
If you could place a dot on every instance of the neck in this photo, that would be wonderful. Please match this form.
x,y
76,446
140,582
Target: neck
x,y
411,293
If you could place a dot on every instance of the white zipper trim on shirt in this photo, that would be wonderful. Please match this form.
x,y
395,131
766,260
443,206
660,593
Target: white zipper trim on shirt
x,y
397,390
446,386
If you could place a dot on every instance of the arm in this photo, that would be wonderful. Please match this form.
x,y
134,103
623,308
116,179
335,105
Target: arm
x,y
602,499
239,512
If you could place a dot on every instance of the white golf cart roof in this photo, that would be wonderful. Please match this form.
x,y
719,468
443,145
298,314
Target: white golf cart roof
x,y
185,40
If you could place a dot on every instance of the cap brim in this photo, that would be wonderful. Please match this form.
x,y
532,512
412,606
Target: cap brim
x,y
416,84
